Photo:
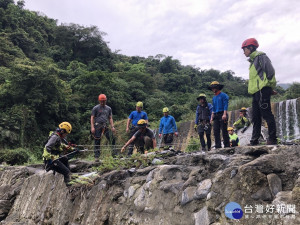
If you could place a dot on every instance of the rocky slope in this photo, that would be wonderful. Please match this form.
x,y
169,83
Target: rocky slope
x,y
189,188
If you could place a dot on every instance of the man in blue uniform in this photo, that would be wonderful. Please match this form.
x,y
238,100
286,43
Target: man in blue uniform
x,y
167,127
219,114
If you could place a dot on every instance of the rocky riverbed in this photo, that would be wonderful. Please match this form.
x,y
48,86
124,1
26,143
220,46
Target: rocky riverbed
x,y
185,188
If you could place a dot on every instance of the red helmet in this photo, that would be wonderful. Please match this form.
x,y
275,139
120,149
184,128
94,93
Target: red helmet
x,y
102,97
250,41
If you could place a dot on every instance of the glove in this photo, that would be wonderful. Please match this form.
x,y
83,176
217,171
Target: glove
x,y
159,135
72,145
195,127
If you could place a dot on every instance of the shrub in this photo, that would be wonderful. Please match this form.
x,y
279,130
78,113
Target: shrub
x,y
12,157
194,145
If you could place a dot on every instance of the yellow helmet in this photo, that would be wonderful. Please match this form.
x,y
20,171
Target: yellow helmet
x,y
166,109
202,95
66,126
142,123
215,84
243,109
139,104
230,128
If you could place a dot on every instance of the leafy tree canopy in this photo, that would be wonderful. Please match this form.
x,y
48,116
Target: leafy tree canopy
x,y
51,73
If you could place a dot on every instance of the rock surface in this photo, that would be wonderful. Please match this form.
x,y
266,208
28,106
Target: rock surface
x,y
188,189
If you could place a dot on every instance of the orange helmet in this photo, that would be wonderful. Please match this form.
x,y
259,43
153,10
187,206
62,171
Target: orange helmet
x,y
250,41
102,97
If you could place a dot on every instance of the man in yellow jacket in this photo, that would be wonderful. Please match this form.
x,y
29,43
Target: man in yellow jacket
x,y
261,86
243,121
53,149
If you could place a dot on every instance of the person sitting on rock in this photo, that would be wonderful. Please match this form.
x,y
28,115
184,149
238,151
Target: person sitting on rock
x,y
54,147
143,138
233,138
243,121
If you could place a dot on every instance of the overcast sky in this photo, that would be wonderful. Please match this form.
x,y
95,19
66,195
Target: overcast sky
x,y
204,33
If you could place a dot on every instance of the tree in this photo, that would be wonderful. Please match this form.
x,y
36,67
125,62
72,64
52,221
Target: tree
x,y
293,91
4,3
168,65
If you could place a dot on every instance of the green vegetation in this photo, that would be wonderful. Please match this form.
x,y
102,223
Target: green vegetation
x,y
14,157
136,160
194,145
51,73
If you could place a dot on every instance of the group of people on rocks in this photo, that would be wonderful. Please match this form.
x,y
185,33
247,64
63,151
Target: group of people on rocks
x,y
208,116
137,126
261,86
216,114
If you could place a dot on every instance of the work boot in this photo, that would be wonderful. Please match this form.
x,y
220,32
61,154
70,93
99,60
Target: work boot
x,y
271,142
67,179
253,143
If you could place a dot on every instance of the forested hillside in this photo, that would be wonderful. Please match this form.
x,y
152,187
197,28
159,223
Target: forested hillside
x,y
52,73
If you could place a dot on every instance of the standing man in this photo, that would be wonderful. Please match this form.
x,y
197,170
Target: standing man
x,y
261,86
168,127
219,114
202,121
101,116
133,118
143,138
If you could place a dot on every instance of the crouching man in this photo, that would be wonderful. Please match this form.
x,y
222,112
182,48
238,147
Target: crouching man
x,y
143,138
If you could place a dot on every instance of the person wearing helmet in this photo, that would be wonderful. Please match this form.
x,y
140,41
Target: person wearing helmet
x,y
143,138
202,121
261,86
168,127
243,121
54,147
133,118
219,115
234,139
101,116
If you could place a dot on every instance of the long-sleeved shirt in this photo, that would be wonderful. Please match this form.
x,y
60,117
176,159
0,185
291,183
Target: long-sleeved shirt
x,y
135,116
203,112
241,122
220,102
167,125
